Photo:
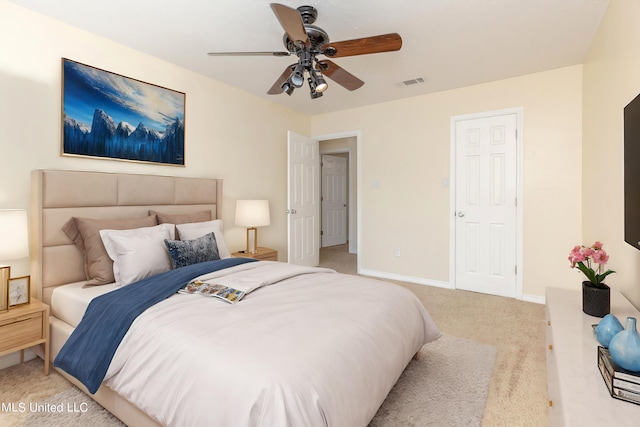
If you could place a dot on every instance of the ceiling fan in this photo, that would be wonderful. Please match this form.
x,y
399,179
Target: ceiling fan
x,y
307,41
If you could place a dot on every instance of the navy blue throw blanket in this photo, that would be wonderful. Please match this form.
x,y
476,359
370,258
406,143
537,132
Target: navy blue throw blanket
x,y
89,350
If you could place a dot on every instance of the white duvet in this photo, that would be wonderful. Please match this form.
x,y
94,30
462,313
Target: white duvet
x,y
308,347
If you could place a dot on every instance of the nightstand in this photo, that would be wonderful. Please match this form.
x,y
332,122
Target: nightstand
x,y
263,254
25,326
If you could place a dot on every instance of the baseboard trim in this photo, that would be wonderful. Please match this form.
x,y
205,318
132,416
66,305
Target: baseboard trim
x,y
440,284
401,278
12,359
534,298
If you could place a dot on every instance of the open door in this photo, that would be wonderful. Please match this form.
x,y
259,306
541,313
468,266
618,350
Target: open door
x,y
303,200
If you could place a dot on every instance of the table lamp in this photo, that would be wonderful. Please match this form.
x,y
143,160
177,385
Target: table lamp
x,y
15,245
252,214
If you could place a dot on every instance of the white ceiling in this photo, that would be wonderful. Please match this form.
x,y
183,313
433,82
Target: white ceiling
x,y
448,43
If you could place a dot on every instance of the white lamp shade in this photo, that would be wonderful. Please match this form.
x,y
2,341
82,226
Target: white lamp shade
x,y
252,213
14,235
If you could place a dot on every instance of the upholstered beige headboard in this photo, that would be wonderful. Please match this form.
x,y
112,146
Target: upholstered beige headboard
x,y
58,195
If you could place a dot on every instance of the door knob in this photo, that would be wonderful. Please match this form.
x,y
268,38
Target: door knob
x,y
460,214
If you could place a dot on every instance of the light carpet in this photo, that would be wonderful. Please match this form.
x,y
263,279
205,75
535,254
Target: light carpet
x,y
446,386
518,392
30,398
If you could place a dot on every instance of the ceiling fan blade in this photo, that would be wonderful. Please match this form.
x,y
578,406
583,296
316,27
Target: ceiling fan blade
x,y
291,21
276,89
376,44
249,53
339,75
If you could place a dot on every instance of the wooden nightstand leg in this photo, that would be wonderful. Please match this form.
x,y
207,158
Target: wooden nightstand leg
x,y
21,357
46,358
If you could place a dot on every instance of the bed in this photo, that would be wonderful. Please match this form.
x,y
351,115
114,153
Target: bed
x,y
305,346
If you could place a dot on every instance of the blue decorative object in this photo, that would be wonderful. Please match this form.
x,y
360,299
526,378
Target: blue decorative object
x,y
608,327
624,348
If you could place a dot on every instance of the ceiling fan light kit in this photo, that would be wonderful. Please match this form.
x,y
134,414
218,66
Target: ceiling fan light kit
x,y
318,81
307,41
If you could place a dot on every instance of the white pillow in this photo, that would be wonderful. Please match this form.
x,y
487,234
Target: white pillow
x,y
193,230
138,253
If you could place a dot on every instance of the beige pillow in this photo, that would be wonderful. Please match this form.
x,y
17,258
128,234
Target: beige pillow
x,y
85,233
164,218
195,230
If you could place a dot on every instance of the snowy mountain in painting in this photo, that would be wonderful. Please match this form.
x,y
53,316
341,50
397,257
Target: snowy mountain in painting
x,y
124,141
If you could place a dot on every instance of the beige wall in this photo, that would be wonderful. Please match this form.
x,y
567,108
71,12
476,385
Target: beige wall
x,y
405,153
611,80
405,147
229,134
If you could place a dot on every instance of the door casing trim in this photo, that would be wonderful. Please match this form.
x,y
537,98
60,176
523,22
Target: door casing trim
x,y
358,159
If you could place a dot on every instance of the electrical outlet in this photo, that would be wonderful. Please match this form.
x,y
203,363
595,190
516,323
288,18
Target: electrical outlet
x,y
396,251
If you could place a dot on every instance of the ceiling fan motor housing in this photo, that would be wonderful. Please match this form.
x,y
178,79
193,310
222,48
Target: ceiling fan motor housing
x,y
317,38
309,14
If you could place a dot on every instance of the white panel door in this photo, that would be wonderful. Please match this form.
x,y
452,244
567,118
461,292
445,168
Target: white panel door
x,y
485,212
304,200
334,200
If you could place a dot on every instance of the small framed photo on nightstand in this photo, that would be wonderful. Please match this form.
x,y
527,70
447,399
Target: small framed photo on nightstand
x,y
19,291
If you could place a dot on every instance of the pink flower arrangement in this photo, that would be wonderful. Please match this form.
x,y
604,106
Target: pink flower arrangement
x,y
581,257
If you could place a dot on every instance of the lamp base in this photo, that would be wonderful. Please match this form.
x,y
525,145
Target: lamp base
x,y
252,240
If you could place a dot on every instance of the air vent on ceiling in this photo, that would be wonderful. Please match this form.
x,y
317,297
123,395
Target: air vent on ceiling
x,y
412,81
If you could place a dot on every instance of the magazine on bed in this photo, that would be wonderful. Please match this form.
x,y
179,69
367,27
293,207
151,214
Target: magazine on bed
x,y
215,290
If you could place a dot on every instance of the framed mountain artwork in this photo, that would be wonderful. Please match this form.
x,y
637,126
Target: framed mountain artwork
x,y
110,116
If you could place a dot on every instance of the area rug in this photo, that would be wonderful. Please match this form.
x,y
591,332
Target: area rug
x,y
446,386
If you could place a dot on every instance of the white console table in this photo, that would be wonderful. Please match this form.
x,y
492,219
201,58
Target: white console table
x,y
578,395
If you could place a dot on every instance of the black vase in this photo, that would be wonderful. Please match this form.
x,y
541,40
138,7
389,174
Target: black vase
x,y
596,301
